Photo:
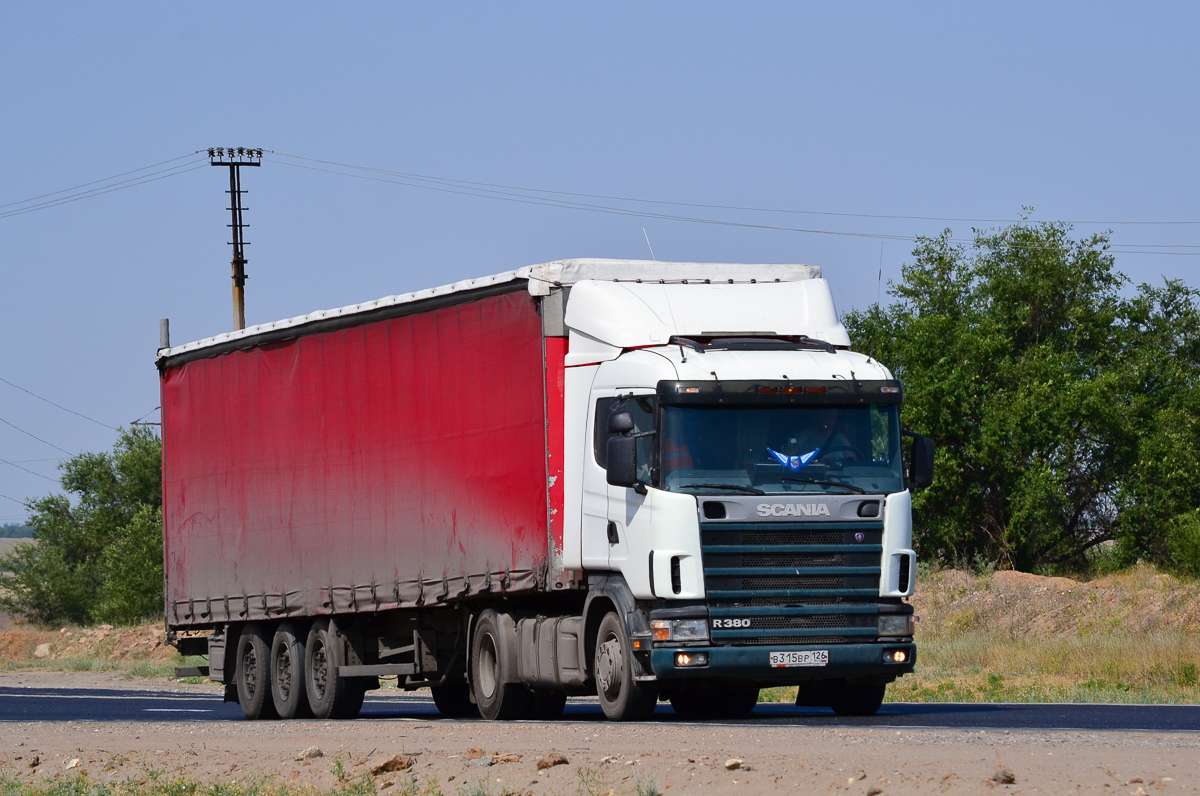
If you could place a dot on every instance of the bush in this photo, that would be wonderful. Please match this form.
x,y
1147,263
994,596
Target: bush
x,y
98,558
1065,414
1183,543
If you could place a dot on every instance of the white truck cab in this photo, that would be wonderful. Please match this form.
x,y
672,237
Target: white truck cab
x,y
736,470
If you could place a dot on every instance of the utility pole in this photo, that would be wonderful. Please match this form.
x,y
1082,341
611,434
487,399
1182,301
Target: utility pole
x,y
235,158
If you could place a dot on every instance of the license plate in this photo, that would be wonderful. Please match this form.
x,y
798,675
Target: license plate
x,y
800,658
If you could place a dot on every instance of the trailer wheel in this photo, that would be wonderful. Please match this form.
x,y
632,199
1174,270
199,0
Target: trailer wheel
x,y
330,695
858,700
491,682
254,674
621,697
350,707
454,701
287,674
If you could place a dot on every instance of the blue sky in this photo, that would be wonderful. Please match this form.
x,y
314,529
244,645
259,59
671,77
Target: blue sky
x,y
1083,111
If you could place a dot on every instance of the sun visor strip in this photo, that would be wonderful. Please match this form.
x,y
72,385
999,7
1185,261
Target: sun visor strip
x,y
839,392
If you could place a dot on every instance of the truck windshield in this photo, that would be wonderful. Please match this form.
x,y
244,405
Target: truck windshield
x,y
815,449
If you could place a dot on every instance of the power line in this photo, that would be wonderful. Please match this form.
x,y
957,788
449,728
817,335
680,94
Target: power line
x,y
14,500
97,182
143,417
507,196
486,185
59,406
533,200
94,192
35,436
31,472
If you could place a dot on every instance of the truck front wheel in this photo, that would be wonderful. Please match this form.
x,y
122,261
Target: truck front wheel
x,y
726,703
496,695
621,697
330,695
454,701
254,674
547,705
858,700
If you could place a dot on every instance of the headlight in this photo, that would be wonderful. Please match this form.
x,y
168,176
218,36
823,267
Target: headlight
x,y
679,629
896,625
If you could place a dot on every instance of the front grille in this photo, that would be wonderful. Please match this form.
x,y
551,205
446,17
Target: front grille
x,y
792,560
782,640
788,601
828,620
789,582
789,537
792,580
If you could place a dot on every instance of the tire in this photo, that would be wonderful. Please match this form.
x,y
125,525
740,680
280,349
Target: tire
x,y
547,705
858,700
621,697
330,695
491,682
288,688
694,705
254,673
454,701
351,706
737,703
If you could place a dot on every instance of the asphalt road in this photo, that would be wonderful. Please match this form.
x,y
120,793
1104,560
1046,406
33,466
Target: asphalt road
x,y
103,705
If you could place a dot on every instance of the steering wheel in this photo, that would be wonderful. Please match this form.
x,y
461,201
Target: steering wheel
x,y
842,448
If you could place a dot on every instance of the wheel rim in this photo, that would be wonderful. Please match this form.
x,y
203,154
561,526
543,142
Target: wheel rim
x,y
283,671
610,668
487,666
250,671
320,670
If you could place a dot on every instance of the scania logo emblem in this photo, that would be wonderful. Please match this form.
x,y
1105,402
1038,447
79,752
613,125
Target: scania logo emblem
x,y
858,537
792,509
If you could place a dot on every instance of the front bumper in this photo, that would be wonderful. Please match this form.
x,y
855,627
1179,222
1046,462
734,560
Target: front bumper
x,y
753,663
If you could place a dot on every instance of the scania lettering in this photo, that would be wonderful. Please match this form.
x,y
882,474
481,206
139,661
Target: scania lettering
x,y
792,509
632,480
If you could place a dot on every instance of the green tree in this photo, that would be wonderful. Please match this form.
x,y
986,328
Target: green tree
x,y
1065,415
97,557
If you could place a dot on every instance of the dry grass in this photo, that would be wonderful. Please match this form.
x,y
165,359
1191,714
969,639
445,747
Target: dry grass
x,y
155,783
1133,637
1011,636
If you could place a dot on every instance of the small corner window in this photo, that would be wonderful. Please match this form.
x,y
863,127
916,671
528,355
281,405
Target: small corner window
x,y
642,408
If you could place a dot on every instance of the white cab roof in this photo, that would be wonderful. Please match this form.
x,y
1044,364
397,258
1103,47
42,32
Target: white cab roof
x,y
631,314
644,293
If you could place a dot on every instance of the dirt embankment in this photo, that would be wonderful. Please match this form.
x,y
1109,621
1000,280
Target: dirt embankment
x,y
1018,605
119,646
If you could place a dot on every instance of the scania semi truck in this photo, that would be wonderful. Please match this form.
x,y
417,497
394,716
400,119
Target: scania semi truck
x,y
640,481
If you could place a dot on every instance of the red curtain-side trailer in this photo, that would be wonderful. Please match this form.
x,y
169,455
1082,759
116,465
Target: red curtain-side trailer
x,y
364,464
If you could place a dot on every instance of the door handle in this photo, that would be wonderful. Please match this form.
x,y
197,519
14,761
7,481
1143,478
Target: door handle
x,y
612,533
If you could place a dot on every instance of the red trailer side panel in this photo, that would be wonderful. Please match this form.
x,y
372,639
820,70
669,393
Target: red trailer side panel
x,y
556,384
398,462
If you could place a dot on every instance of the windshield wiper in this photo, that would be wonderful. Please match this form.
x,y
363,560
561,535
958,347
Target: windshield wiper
x,y
822,483
749,490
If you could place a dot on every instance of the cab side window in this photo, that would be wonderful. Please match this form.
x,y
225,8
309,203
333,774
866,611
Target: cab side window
x,y
642,409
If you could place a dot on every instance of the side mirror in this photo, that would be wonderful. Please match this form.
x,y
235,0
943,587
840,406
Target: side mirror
x,y
920,474
620,422
622,459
